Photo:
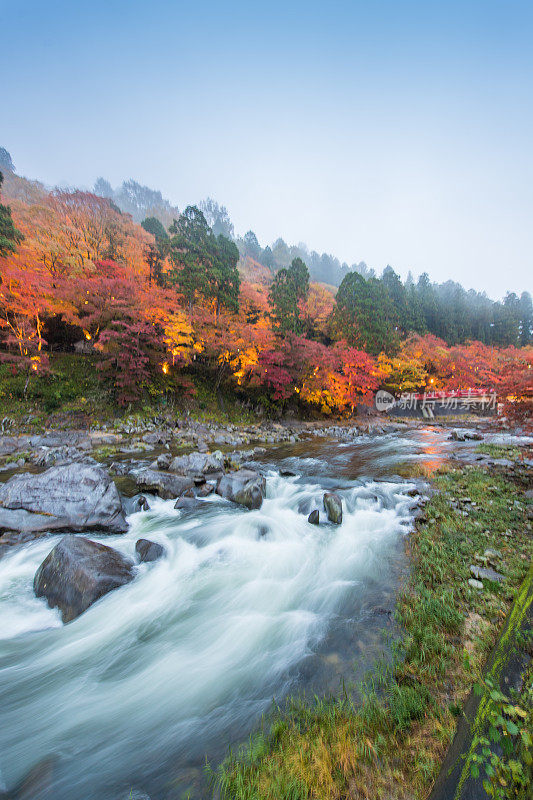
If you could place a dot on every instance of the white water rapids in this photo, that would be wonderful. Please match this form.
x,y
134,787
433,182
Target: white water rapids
x,y
183,660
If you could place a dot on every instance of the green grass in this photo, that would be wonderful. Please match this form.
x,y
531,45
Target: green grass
x,y
500,451
389,742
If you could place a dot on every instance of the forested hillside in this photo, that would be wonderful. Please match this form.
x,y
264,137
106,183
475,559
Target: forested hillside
x,y
156,296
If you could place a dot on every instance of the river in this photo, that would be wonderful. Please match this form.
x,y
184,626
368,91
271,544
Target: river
x,y
129,699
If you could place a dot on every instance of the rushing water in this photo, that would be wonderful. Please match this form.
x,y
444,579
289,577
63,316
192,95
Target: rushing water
x,y
180,663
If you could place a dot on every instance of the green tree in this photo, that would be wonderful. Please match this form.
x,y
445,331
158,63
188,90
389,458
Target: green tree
x,y
223,276
9,235
289,287
156,228
190,253
365,315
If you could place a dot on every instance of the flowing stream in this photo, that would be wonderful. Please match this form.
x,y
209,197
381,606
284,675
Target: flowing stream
x,y
130,698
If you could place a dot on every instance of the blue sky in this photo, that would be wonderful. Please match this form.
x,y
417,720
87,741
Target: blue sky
x,y
390,132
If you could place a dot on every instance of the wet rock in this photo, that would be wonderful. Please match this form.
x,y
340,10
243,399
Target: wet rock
x,y
314,517
132,505
148,550
165,484
77,572
251,495
245,486
333,507
287,473
188,501
75,497
486,573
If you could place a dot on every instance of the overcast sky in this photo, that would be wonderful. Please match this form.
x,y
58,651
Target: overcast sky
x,y
391,132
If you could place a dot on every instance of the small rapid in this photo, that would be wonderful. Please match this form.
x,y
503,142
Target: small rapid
x,y
184,660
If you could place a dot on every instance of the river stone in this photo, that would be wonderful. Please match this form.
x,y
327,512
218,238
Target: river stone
x,y
76,497
245,486
333,507
164,484
77,572
314,517
148,550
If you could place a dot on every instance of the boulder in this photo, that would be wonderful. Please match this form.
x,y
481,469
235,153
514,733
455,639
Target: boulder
x,y
198,463
314,517
245,486
75,497
165,484
251,495
333,507
148,550
77,572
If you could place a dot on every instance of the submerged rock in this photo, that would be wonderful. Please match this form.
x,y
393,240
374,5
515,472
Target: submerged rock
x,y
76,497
77,572
148,550
333,507
132,505
314,517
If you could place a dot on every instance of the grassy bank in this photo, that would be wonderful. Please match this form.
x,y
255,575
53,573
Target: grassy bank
x,y
72,394
390,742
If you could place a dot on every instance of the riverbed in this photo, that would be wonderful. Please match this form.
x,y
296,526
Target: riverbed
x,y
246,607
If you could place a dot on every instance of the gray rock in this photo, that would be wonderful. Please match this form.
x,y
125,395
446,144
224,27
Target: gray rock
x,y
475,584
486,573
250,496
188,501
76,497
204,490
77,572
198,463
148,550
464,435
245,486
163,461
314,517
165,484
333,507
